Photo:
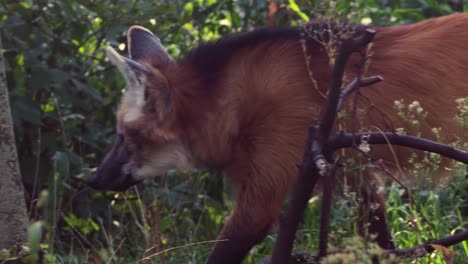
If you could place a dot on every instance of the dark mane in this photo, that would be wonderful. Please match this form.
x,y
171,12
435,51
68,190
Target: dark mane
x,y
209,57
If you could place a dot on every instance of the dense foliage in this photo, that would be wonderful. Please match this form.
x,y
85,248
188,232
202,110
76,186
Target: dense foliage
x,y
64,93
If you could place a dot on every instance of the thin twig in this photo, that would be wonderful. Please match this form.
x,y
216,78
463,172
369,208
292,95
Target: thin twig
x,y
392,150
114,252
354,85
348,46
186,245
382,167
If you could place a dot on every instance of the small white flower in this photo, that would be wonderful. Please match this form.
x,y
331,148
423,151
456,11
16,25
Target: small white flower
x,y
364,146
366,21
400,130
414,105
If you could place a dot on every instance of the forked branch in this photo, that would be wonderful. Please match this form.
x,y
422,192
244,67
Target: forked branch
x,y
315,154
318,154
347,48
355,84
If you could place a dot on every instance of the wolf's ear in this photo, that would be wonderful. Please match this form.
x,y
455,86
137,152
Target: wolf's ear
x,y
138,99
131,70
143,45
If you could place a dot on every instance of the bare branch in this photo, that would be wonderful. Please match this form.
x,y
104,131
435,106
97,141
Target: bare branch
x,y
320,147
427,248
356,44
382,167
306,180
354,85
315,156
345,140
347,47
328,183
371,80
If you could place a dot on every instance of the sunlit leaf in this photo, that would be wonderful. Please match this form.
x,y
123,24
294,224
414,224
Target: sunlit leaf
x,y
294,7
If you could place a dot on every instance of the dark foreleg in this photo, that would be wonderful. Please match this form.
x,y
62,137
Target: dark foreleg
x,y
255,213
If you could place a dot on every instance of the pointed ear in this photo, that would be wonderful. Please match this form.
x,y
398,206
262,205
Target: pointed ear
x,y
143,45
131,70
146,92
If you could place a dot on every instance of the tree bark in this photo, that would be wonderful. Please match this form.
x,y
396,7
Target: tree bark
x,y
13,214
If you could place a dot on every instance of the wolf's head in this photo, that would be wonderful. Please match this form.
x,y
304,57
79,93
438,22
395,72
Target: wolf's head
x,y
147,142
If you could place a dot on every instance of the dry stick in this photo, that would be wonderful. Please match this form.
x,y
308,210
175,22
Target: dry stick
x,y
354,85
427,248
342,140
302,190
400,169
114,253
345,140
328,120
183,246
313,153
390,147
325,210
388,173
347,47
383,168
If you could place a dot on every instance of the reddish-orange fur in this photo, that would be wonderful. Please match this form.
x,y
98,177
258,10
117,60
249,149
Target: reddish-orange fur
x,y
257,127
253,123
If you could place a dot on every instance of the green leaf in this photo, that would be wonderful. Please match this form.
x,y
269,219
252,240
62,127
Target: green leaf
x,y
294,7
12,21
165,224
59,76
62,164
27,110
88,90
39,78
34,239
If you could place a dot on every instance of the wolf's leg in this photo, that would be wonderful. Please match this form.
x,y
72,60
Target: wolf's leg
x,y
256,211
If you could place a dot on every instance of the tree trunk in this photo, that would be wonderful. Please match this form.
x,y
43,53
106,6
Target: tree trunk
x,y
13,216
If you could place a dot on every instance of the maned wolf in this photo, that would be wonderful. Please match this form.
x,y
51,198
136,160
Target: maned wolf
x,y
244,103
